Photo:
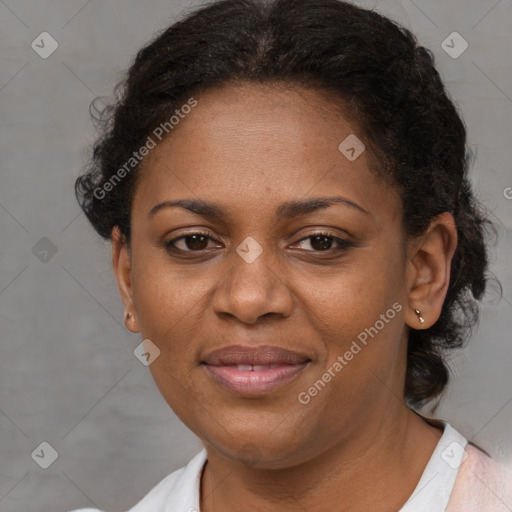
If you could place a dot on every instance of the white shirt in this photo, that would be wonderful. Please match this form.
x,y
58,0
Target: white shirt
x,y
457,478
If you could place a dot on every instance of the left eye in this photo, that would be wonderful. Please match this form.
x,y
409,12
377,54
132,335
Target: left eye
x,y
323,242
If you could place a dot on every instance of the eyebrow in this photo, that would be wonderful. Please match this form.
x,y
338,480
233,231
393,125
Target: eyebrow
x,y
286,210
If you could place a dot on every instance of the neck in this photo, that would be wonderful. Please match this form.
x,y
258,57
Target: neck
x,y
387,456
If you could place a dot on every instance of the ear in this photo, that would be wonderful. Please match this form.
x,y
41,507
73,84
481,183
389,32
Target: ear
x,y
121,262
428,271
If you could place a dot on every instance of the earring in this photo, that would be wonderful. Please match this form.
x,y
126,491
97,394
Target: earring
x,y
127,316
420,318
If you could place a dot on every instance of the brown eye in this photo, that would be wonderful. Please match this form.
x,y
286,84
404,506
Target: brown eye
x,y
190,242
323,242
196,242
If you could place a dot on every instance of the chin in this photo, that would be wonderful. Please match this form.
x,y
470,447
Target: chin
x,y
260,450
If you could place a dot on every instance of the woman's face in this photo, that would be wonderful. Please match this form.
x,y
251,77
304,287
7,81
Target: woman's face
x,y
261,278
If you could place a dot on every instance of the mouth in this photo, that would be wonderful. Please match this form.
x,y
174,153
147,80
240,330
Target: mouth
x,y
252,371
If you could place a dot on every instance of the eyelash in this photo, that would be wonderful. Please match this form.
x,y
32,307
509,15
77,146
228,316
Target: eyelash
x,y
342,243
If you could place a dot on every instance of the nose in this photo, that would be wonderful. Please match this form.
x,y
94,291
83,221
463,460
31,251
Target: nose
x,y
252,289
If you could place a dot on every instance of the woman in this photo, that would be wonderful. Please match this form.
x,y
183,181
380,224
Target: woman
x,y
295,237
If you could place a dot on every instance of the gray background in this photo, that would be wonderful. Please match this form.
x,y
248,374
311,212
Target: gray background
x,y
68,375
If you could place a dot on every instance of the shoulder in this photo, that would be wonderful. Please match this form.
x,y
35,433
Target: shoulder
x,y
181,488
482,484
86,510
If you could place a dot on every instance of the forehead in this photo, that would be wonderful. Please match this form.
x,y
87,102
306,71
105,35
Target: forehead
x,y
257,142
278,110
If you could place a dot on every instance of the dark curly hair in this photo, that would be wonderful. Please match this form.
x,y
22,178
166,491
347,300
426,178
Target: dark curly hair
x,y
385,82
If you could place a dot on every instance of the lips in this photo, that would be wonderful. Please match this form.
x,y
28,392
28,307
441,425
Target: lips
x,y
263,355
255,367
254,371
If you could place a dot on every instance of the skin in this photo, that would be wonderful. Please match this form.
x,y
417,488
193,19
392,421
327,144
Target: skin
x,y
249,148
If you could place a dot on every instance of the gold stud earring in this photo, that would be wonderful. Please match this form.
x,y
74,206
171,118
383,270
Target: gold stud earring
x,y
420,318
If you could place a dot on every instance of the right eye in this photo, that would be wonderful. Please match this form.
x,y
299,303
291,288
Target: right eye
x,y
191,242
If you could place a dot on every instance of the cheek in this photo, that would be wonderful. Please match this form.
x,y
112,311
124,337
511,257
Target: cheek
x,y
358,311
173,308
352,297
162,309
163,296
171,313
